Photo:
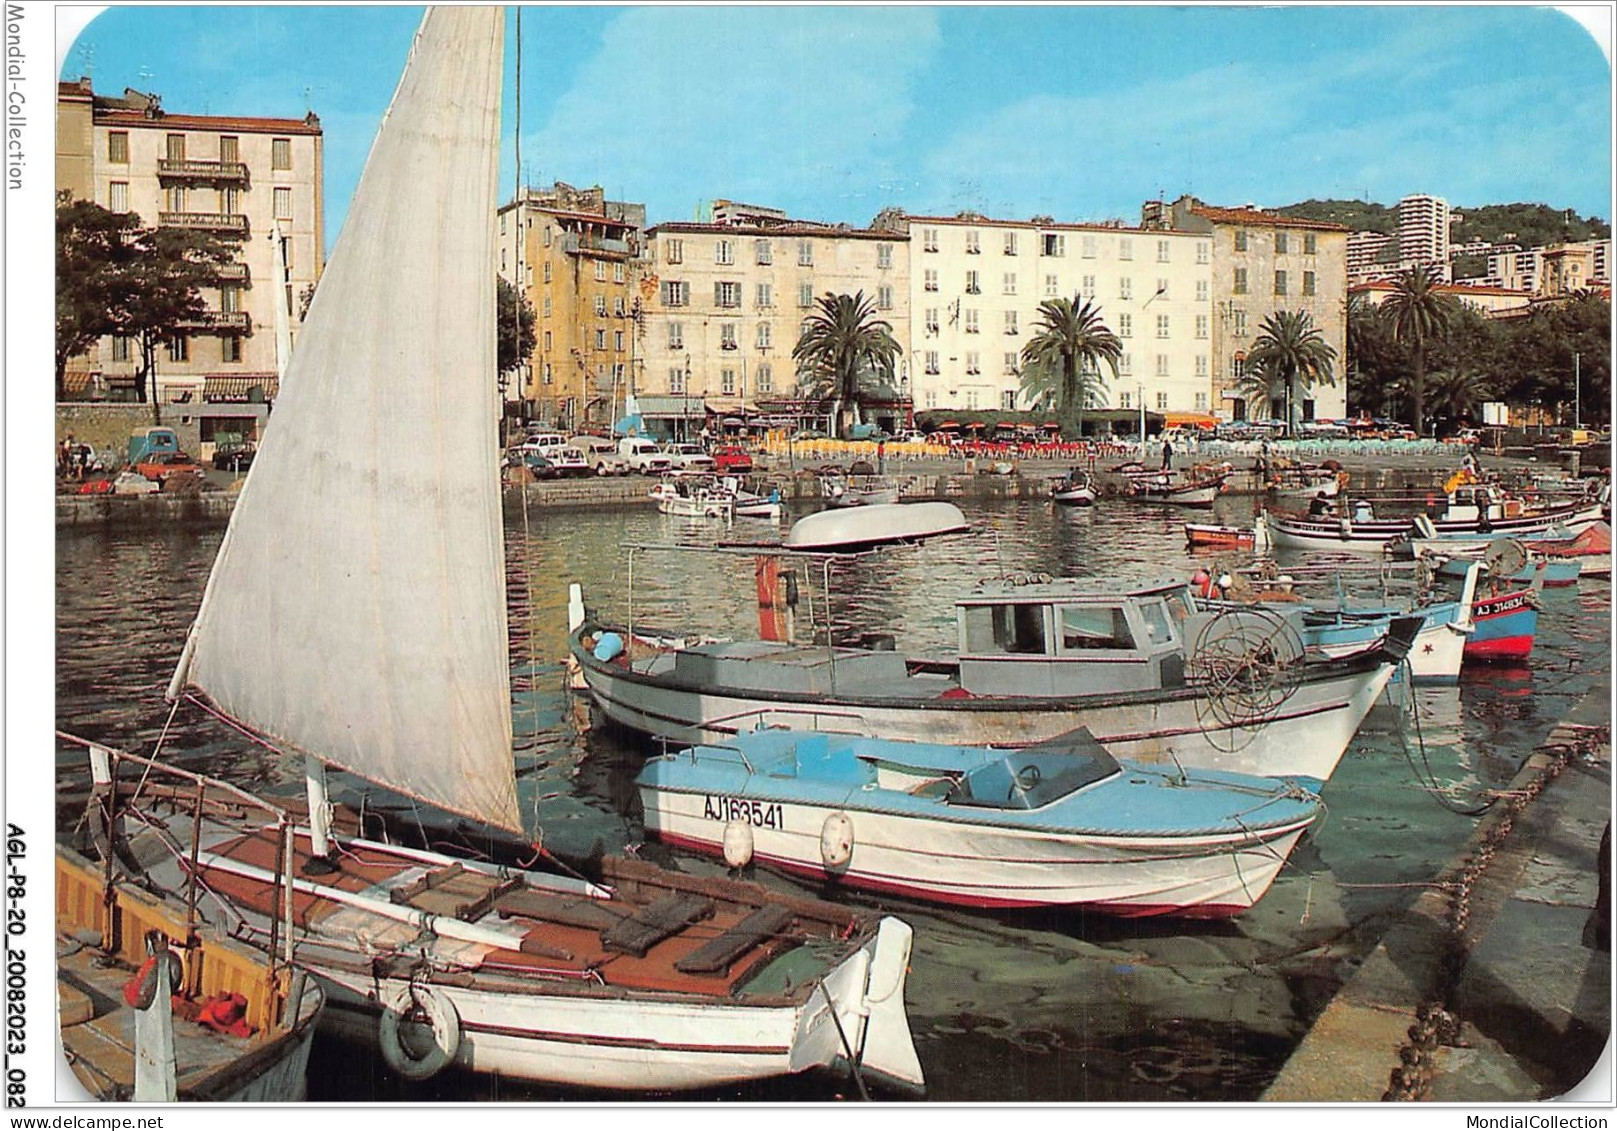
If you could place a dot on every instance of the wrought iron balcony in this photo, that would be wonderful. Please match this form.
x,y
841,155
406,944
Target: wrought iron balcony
x,y
232,273
206,221
232,320
234,172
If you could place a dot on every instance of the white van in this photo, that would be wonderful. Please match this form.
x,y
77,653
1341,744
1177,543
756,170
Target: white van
x,y
644,455
602,455
545,443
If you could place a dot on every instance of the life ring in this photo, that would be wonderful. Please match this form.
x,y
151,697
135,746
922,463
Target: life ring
x,y
441,1016
737,844
836,841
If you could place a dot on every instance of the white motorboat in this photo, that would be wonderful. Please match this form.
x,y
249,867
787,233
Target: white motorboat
x,y
1062,823
1471,511
694,497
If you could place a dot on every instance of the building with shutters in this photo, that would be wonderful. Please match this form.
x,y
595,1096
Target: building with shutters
x,y
725,302
246,176
577,258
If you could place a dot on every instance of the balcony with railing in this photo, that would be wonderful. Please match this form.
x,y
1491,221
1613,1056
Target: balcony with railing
x,y
230,172
576,242
229,321
205,221
232,273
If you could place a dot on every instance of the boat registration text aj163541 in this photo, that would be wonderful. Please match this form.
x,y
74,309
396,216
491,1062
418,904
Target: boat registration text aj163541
x,y
738,809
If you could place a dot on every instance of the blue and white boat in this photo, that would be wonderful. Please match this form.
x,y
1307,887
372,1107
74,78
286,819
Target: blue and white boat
x,y
1060,823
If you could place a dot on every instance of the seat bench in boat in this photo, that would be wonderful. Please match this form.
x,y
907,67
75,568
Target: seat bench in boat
x,y
455,892
715,957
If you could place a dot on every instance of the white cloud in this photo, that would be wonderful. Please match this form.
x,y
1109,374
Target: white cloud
x,y
780,104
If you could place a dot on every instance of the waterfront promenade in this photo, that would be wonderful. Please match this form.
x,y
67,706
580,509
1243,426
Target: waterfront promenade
x,y
1495,986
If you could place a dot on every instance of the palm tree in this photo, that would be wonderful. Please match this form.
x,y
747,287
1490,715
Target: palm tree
x,y
1290,347
1418,313
844,344
1456,393
1041,387
1071,339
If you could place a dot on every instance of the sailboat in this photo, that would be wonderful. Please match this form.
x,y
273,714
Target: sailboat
x,y
356,616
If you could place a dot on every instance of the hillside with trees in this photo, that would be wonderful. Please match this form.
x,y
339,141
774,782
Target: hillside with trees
x,y
1530,225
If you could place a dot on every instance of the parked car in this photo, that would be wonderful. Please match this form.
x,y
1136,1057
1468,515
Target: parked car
x,y
545,442
569,460
602,455
910,438
644,456
160,467
733,459
233,457
688,457
538,465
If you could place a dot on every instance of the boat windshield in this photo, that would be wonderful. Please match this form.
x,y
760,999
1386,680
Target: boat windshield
x,y
1033,778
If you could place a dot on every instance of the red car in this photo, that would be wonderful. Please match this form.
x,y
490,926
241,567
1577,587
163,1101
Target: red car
x,y
733,459
160,467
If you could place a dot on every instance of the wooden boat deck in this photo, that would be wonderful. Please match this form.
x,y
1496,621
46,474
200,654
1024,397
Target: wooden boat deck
x,y
673,942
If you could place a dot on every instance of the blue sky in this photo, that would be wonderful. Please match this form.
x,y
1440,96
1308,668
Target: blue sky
x,y
835,112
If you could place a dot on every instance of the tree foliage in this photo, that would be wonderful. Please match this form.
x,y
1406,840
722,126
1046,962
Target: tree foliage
x,y
844,347
117,277
1290,349
1071,340
1419,314
1556,356
515,320
93,246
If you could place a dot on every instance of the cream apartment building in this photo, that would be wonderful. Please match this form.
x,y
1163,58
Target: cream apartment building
x,y
245,176
726,302
1267,263
975,288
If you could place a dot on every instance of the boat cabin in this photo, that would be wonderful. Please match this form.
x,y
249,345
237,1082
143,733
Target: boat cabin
x,y
1480,501
1060,638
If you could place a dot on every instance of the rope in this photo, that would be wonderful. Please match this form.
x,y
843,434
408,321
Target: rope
x,y
1424,773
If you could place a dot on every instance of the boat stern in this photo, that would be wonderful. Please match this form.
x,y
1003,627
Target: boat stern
x,y
857,1016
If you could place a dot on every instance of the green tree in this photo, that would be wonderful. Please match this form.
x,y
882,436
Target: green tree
x,y
843,347
1072,340
1041,387
1376,360
515,320
1289,349
93,249
1419,314
167,273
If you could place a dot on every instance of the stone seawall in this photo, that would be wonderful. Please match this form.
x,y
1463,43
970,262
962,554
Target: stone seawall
x,y
917,482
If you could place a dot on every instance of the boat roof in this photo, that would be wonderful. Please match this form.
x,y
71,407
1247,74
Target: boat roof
x,y
1069,589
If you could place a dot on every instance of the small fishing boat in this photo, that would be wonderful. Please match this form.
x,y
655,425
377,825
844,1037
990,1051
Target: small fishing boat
x,y
1061,823
231,1023
1198,491
1209,536
1506,622
1475,510
1075,489
647,979
1591,548
857,491
750,504
1295,485
693,497
1153,678
853,529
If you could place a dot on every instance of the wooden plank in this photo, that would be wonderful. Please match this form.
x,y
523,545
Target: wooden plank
x,y
651,924
409,892
75,1004
591,914
716,956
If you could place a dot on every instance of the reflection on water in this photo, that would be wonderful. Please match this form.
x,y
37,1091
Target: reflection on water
x,y
1046,1006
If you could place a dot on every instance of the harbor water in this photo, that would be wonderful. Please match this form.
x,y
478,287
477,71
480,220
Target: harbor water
x,y
1045,1006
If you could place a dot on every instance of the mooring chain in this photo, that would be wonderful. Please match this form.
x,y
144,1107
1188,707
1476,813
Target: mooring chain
x,y
1435,1027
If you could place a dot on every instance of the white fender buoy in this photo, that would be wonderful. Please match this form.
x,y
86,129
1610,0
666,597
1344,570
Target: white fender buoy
x,y
403,1002
836,841
737,844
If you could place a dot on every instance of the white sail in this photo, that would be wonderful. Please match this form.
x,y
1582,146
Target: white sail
x,y
356,611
